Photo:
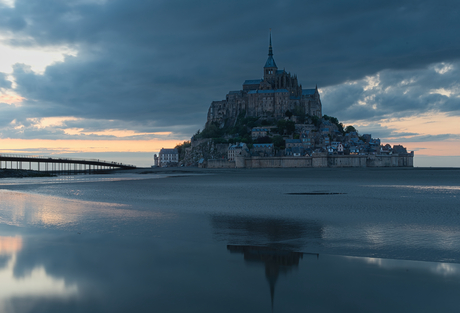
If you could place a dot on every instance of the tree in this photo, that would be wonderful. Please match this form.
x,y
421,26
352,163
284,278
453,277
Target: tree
x,y
265,123
181,148
278,142
265,139
350,129
288,113
212,131
300,113
340,126
290,127
316,121
281,124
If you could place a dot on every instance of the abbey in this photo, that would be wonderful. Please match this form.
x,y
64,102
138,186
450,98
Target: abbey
x,y
270,97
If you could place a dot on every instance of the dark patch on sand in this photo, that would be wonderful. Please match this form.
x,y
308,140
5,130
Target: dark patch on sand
x,y
315,193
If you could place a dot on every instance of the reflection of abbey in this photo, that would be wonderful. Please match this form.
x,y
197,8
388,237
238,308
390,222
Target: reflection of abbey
x,y
269,97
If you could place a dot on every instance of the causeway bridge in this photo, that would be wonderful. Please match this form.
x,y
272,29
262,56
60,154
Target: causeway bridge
x,y
54,164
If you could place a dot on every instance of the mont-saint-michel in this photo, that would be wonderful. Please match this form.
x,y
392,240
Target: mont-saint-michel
x,y
274,122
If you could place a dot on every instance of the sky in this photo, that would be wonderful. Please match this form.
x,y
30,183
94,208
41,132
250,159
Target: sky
x,y
119,80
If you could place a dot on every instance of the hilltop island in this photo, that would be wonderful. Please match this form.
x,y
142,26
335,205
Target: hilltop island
x,y
274,122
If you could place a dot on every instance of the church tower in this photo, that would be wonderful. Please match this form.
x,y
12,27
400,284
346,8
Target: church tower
x,y
270,66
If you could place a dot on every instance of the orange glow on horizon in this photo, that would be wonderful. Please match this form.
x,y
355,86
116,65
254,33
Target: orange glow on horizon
x,y
431,148
112,132
426,124
80,146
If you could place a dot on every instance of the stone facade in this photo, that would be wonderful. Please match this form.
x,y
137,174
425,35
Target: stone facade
x,y
270,97
167,157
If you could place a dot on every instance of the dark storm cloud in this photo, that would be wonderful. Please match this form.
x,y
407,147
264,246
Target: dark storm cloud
x,y
159,64
396,93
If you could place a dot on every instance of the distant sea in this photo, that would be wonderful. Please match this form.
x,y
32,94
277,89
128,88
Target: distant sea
x,y
436,161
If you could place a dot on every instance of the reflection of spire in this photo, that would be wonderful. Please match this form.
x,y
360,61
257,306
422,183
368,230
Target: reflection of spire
x,y
271,272
275,261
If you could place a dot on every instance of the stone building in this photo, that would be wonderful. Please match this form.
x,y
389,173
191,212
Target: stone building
x,y
270,97
238,149
167,157
257,132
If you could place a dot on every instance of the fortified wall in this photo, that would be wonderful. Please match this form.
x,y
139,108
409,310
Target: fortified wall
x,y
322,160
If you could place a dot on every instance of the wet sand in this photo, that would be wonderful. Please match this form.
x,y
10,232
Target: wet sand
x,y
198,240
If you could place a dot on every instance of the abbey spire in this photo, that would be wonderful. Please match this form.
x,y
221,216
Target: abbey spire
x,y
270,66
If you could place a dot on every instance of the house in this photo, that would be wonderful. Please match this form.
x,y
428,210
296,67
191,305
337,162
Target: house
x,y
340,148
259,132
399,149
306,139
295,151
290,143
237,149
168,157
263,149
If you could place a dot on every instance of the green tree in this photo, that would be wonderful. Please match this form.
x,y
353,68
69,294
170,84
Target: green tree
x,y
265,123
316,121
281,125
212,131
300,113
350,129
278,142
181,148
265,139
290,127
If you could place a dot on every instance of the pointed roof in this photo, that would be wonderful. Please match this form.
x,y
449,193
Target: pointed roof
x,y
270,61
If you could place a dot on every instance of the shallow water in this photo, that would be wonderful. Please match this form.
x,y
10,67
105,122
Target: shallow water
x,y
231,241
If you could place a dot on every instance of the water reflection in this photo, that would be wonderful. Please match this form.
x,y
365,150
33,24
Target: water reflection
x,y
78,178
33,283
10,245
442,269
52,272
272,242
275,261
286,234
24,209
441,189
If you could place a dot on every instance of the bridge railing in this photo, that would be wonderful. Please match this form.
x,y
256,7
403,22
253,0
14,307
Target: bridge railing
x,y
25,156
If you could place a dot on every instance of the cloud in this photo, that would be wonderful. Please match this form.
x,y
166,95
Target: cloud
x,y
424,138
397,93
4,83
157,65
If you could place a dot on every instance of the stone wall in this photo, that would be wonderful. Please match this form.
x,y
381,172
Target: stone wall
x,y
347,161
264,162
220,163
322,160
394,160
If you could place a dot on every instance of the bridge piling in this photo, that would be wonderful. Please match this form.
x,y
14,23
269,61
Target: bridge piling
x,y
63,165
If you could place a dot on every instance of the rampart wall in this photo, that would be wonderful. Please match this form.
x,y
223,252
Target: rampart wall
x,y
405,160
220,163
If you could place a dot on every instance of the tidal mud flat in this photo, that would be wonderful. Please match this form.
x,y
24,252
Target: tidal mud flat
x,y
8,173
233,240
